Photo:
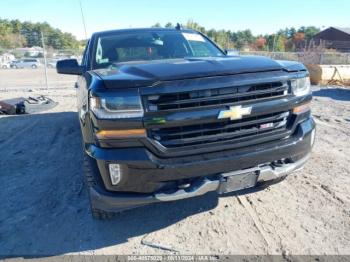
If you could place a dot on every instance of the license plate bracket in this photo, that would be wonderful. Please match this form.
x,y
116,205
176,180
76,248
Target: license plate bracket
x,y
238,180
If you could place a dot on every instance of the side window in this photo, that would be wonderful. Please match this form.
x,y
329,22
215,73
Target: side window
x,y
85,54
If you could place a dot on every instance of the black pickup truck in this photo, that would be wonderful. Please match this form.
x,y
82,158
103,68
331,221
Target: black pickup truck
x,y
166,115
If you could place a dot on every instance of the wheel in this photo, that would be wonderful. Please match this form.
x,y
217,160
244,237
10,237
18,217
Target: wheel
x,y
90,168
4,67
34,66
15,67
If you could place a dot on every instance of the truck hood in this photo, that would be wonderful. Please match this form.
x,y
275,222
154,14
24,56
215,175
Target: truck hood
x,y
137,74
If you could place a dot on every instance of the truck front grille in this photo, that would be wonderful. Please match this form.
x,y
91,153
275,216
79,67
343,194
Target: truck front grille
x,y
217,96
245,129
181,116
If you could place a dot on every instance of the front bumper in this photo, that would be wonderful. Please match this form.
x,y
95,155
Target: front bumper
x,y
151,172
118,201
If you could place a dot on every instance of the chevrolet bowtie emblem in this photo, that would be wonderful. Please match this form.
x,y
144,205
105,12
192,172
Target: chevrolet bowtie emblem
x,y
235,112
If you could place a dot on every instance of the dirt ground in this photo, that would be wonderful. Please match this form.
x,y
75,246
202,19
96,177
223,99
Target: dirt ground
x,y
44,206
24,79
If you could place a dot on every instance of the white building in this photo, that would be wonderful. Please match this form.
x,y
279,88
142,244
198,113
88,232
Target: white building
x,y
31,51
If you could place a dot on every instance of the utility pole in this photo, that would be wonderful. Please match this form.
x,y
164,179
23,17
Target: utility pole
x,y
45,62
273,44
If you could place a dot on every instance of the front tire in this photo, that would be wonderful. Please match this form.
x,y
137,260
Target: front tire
x,y
90,169
34,67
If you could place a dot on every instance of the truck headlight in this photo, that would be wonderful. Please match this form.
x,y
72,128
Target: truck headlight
x,y
118,104
301,86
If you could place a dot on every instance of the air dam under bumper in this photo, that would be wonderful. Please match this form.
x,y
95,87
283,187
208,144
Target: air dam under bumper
x,y
298,145
120,201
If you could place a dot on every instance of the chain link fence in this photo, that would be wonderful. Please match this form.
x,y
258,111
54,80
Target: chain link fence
x,y
320,58
8,57
309,57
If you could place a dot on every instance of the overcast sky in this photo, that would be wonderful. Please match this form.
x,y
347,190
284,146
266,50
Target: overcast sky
x,y
265,16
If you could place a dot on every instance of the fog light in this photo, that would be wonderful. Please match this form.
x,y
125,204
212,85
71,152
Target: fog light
x,y
115,173
313,137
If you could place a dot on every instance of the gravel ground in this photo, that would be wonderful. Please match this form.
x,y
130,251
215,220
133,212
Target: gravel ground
x,y
44,206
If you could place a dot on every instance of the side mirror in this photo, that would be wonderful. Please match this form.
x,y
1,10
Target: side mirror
x,y
69,67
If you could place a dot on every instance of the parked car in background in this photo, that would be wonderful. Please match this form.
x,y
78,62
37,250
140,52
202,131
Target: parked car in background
x,y
4,65
51,63
232,52
26,63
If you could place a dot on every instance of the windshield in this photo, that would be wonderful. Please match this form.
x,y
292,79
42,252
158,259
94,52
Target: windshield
x,y
151,45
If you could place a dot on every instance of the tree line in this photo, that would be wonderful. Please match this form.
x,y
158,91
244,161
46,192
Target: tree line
x,y
14,33
284,40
